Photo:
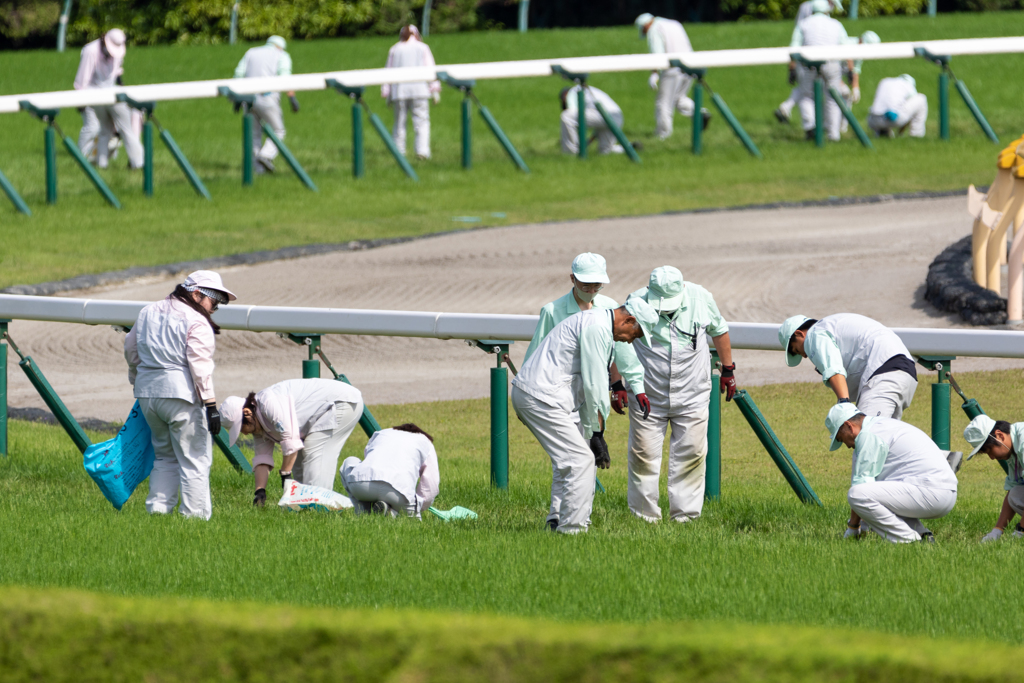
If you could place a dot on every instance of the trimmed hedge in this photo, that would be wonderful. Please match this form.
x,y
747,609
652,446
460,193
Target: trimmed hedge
x,y
59,635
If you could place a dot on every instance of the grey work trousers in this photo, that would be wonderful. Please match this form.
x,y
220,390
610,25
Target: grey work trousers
x,y
184,455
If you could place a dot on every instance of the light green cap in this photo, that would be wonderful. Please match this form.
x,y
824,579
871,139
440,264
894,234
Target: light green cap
x,y
837,415
642,21
870,38
977,432
665,289
644,314
786,333
590,268
277,41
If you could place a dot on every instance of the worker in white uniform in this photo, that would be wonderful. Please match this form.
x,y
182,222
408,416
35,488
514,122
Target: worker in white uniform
x,y
101,66
898,106
860,359
262,62
899,476
588,276
606,141
310,418
1000,440
568,373
411,98
785,110
170,363
820,29
677,370
671,84
398,473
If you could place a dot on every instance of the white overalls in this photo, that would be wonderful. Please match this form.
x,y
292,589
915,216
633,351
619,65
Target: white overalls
x,y
262,62
820,29
669,36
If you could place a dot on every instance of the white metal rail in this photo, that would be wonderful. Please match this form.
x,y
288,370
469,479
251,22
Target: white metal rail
x,y
920,341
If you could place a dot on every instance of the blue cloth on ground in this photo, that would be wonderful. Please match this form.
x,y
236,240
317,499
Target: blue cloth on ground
x,y
122,463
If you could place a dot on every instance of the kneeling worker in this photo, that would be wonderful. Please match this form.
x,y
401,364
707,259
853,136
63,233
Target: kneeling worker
x,y
606,142
398,473
568,372
899,475
1000,440
898,106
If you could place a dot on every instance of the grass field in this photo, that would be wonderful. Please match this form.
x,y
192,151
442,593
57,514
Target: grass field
x,y
758,556
81,234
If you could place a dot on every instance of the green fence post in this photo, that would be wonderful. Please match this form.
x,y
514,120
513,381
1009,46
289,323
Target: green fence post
x,y
311,366
617,132
499,426
62,25
943,105
698,120
978,116
3,386
53,402
247,122
524,14
492,123
932,7
581,119
289,157
50,149
147,163
232,453
385,136
819,112
850,118
358,168
91,172
713,476
940,397
734,123
13,195
854,10
467,133
183,164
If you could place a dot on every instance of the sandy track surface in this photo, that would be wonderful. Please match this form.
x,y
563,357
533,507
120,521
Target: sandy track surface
x,y
761,265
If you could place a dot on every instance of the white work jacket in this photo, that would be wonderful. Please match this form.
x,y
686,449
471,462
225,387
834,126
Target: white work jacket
x,y
97,70
170,353
407,53
405,460
290,411
667,35
818,29
569,369
591,96
263,62
890,95
677,365
891,450
853,346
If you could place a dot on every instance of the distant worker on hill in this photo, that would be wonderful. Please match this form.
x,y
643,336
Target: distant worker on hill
x,y
785,109
261,62
820,29
606,142
411,98
101,66
898,106
1000,440
671,84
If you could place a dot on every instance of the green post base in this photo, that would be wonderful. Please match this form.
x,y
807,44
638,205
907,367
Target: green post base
x,y
147,158
943,105
499,428
184,165
467,133
940,415
90,172
247,123
698,120
13,195
713,476
819,112
965,95
289,157
581,119
53,402
385,136
357,140
503,140
50,149
310,369
850,118
734,124
617,132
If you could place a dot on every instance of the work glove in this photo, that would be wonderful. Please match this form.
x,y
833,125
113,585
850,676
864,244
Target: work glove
x,y
294,102
213,419
992,535
652,81
436,97
856,95
620,398
792,74
284,476
644,403
851,533
600,449
728,381
260,499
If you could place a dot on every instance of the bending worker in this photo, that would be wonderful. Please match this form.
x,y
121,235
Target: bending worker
x,y
677,369
411,98
101,66
898,106
398,473
606,141
170,363
568,372
262,62
671,84
899,476
785,110
589,275
820,29
310,418
1000,440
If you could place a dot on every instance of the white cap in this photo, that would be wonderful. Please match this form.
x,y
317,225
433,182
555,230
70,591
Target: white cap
x,y
209,280
786,333
231,416
590,268
644,314
977,433
909,79
837,415
837,5
277,41
821,6
114,40
665,289
642,21
870,38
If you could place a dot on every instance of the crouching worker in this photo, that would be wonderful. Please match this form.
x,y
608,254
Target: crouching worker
x,y
1000,440
899,475
898,106
606,141
310,418
398,473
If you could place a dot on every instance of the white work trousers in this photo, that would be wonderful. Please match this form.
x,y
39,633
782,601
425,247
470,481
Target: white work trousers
x,y
673,87
833,78
606,141
267,109
790,102
687,462
111,118
420,110
1016,499
184,455
887,395
574,472
894,509
913,112
317,462
365,493
90,131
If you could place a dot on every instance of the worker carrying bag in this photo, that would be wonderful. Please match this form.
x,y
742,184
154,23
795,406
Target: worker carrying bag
x,y
122,463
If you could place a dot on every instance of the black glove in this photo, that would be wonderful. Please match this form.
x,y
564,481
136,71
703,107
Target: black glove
x,y
792,74
260,499
119,80
237,106
295,103
600,449
728,381
285,475
212,419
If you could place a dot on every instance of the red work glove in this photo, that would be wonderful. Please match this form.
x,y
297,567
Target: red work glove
x,y
619,397
728,381
645,404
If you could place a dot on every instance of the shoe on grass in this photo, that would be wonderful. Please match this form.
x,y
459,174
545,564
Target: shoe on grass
x,y
551,525
781,116
1019,531
927,537
266,163
379,507
260,499
707,118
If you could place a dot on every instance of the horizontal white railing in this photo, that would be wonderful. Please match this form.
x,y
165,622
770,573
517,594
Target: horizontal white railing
x,y
515,69
920,341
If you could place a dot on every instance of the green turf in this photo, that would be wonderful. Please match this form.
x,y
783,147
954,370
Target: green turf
x,y
81,234
757,556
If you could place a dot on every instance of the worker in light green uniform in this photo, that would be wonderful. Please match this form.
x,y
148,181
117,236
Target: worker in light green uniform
x,y
1000,440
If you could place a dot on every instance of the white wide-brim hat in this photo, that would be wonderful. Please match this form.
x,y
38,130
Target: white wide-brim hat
x,y
115,41
209,280
231,416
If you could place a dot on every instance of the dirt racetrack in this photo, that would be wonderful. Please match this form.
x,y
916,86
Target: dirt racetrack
x,y
761,265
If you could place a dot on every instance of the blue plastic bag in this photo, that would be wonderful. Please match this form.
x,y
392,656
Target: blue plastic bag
x,y
122,463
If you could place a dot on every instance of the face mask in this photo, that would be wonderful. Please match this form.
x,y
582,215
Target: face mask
x,y
585,297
